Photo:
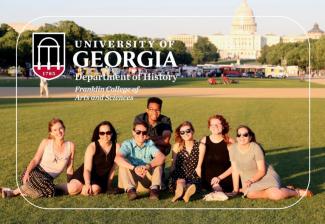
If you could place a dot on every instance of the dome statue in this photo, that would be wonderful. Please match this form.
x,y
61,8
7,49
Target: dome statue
x,y
244,21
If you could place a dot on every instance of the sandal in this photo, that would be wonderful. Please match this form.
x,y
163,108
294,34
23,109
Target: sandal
x,y
304,193
6,193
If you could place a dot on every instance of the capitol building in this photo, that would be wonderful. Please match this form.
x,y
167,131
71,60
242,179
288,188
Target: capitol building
x,y
243,42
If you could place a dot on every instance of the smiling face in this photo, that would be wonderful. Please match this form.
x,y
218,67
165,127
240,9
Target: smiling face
x,y
186,133
153,112
140,134
215,127
57,131
105,133
243,138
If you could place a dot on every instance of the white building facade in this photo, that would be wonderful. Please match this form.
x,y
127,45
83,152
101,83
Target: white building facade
x,y
243,42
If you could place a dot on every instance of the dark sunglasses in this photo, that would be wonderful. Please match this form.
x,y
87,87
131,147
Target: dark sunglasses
x,y
244,135
103,133
138,132
186,131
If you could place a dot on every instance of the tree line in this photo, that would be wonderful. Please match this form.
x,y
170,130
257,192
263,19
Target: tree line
x,y
203,51
296,54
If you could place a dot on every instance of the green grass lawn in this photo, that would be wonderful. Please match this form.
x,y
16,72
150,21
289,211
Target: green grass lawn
x,y
181,82
281,125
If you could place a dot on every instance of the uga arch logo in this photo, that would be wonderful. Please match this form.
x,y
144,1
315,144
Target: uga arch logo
x,y
48,55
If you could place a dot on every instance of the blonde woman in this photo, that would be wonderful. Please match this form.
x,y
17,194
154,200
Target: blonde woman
x,y
187,161
53,156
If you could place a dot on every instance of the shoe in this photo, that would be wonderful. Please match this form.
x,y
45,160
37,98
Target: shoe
x,y
132,194
154,194
178,193
6,193
189,192
304,193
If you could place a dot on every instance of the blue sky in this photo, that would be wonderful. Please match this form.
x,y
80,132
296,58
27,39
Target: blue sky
x,y
304,12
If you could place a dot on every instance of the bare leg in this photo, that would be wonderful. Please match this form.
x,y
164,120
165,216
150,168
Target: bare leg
x,y
180,186
74,187
273,194
257,195
191,189
96,189
16,192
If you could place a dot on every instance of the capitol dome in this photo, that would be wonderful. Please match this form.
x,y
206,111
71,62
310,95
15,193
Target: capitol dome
x,y
244,20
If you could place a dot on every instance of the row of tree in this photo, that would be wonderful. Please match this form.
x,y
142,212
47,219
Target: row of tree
x,y
203,51
296,54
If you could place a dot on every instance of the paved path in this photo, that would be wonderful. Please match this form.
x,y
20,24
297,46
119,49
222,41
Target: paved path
x,y
69,92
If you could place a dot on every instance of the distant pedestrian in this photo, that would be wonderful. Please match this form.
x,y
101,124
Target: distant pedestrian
x,y
44,88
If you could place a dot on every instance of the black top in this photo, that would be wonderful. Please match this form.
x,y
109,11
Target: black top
x,y
163,124
216,161
102,162
185,165
101,166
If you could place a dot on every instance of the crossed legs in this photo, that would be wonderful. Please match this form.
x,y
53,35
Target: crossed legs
x,y
274,194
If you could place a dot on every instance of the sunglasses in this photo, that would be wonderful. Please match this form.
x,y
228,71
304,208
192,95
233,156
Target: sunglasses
x,y
138,132
103,133
244,135
186,131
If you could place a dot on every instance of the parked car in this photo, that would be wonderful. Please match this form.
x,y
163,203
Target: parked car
x,y
249,74
12,71
275,72
259,75
214,73
232,73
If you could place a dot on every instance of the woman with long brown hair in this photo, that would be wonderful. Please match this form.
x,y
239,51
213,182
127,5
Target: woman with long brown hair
x,y
187,161
216,168
53,156
259,180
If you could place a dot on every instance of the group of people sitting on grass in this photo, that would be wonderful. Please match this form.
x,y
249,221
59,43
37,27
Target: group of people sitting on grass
x,y
224,80
217,163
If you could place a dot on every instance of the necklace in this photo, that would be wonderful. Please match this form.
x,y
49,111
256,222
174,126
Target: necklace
x,y
57,156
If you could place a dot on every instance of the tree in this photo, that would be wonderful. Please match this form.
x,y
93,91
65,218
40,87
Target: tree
x,y
182,56
72,32
318,54
204,51
25,48
295,54
8,37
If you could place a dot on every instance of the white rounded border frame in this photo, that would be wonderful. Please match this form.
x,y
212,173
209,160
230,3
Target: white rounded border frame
x,y
161,208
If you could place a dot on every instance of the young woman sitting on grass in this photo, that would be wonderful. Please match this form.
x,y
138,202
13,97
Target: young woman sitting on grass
x,y
53,156
187,162
259,180
96,174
